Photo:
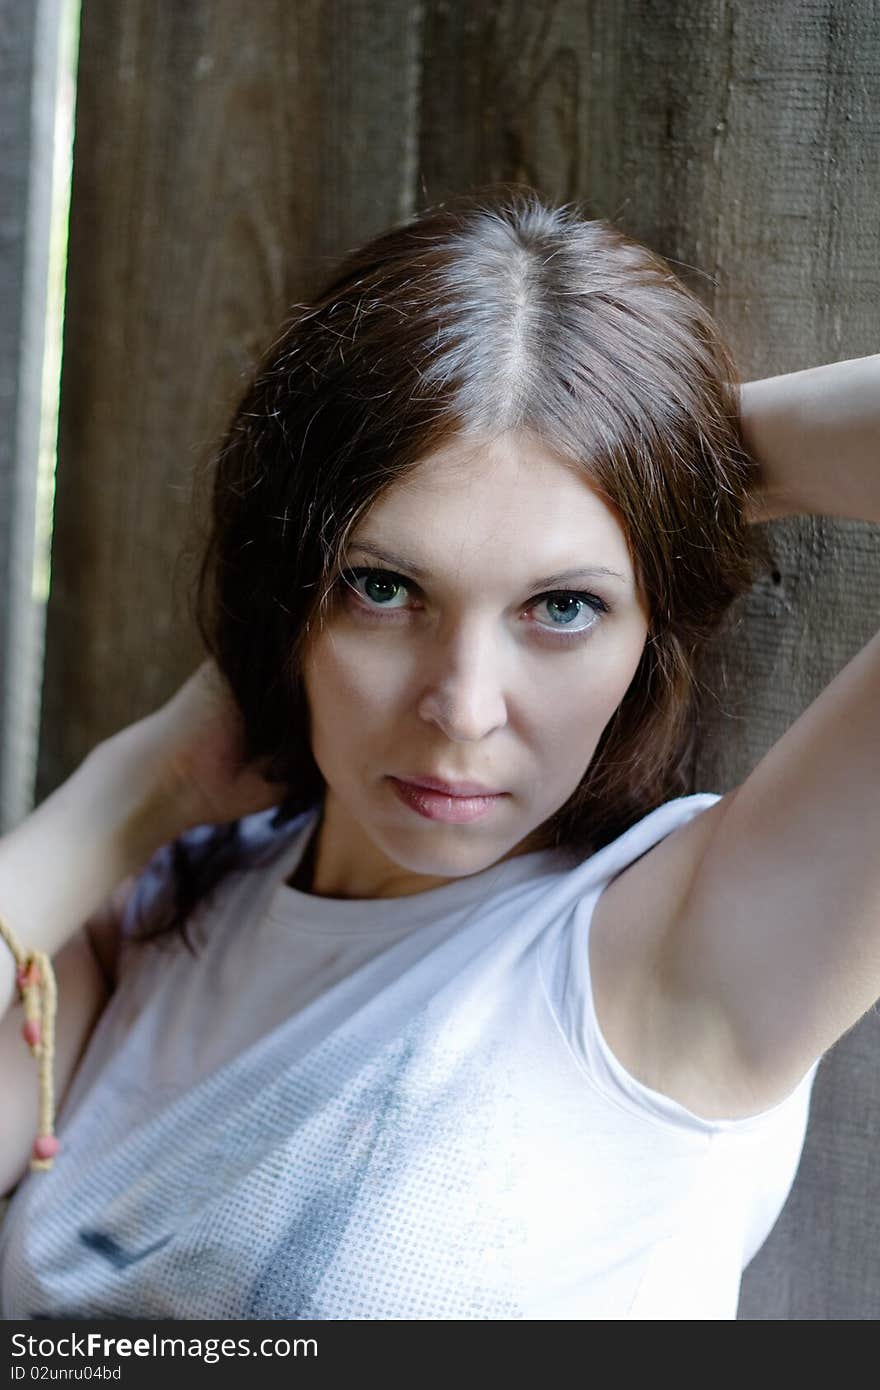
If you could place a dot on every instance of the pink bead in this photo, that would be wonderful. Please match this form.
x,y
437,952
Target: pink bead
x,y
28,974
31,1031
45,1146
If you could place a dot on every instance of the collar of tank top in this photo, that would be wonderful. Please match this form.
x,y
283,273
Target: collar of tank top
x,y
295,903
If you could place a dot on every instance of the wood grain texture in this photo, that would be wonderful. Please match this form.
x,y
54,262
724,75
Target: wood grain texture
x,y
226,154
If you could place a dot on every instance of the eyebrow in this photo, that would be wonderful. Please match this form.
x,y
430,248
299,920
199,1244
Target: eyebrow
x,y
546,581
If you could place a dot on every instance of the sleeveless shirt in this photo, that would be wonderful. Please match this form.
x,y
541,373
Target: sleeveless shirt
x,y
386,1109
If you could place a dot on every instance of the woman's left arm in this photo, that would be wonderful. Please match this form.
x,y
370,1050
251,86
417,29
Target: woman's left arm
x,y
815,435
777,933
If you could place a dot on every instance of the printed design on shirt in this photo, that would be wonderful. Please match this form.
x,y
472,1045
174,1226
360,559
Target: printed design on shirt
x,y
104,1244
354,1239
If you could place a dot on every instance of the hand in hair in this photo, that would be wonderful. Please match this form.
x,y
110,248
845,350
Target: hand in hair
x,y
200,740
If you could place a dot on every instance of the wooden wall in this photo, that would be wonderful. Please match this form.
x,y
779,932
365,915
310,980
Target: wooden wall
x,y
226,154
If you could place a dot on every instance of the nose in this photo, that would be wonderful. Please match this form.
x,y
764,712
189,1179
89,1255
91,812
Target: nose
x,y
464,690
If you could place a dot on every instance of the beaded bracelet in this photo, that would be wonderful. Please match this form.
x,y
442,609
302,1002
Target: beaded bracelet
x,y
36,990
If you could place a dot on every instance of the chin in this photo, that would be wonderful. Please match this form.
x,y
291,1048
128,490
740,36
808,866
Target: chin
x,y
449,861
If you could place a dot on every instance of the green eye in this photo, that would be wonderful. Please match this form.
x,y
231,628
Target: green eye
x,y
381,585
574,606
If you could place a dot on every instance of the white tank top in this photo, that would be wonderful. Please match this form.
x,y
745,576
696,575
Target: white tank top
x,y
386,1109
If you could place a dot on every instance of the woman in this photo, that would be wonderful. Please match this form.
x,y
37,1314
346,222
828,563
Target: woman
x,y
487,1017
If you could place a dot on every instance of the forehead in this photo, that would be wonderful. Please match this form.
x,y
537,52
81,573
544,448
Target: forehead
x,y
507,498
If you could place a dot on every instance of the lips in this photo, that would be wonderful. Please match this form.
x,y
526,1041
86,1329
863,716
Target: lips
x,y
435,784
453,809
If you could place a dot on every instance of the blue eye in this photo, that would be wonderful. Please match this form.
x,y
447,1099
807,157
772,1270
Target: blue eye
x,y
573,604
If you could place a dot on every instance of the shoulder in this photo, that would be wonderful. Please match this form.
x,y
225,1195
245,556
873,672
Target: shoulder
x,y
251,842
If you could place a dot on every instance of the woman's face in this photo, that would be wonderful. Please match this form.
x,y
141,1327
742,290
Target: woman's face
x,y
456,655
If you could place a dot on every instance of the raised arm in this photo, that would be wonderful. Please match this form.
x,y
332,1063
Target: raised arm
x,y
181,766
779,933
815,436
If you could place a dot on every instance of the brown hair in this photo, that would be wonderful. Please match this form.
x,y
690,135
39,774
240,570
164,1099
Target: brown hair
x,y
490,312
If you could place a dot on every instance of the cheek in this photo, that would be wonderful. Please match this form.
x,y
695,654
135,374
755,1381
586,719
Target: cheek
x,y
571,707
343,678
566,724
625,662
597,677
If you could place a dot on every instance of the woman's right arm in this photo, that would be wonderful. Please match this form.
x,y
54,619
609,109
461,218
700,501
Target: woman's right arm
x,y
65,872
83,991
100,826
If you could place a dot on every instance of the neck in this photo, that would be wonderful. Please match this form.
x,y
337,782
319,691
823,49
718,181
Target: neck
x,y
344,881
303,876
